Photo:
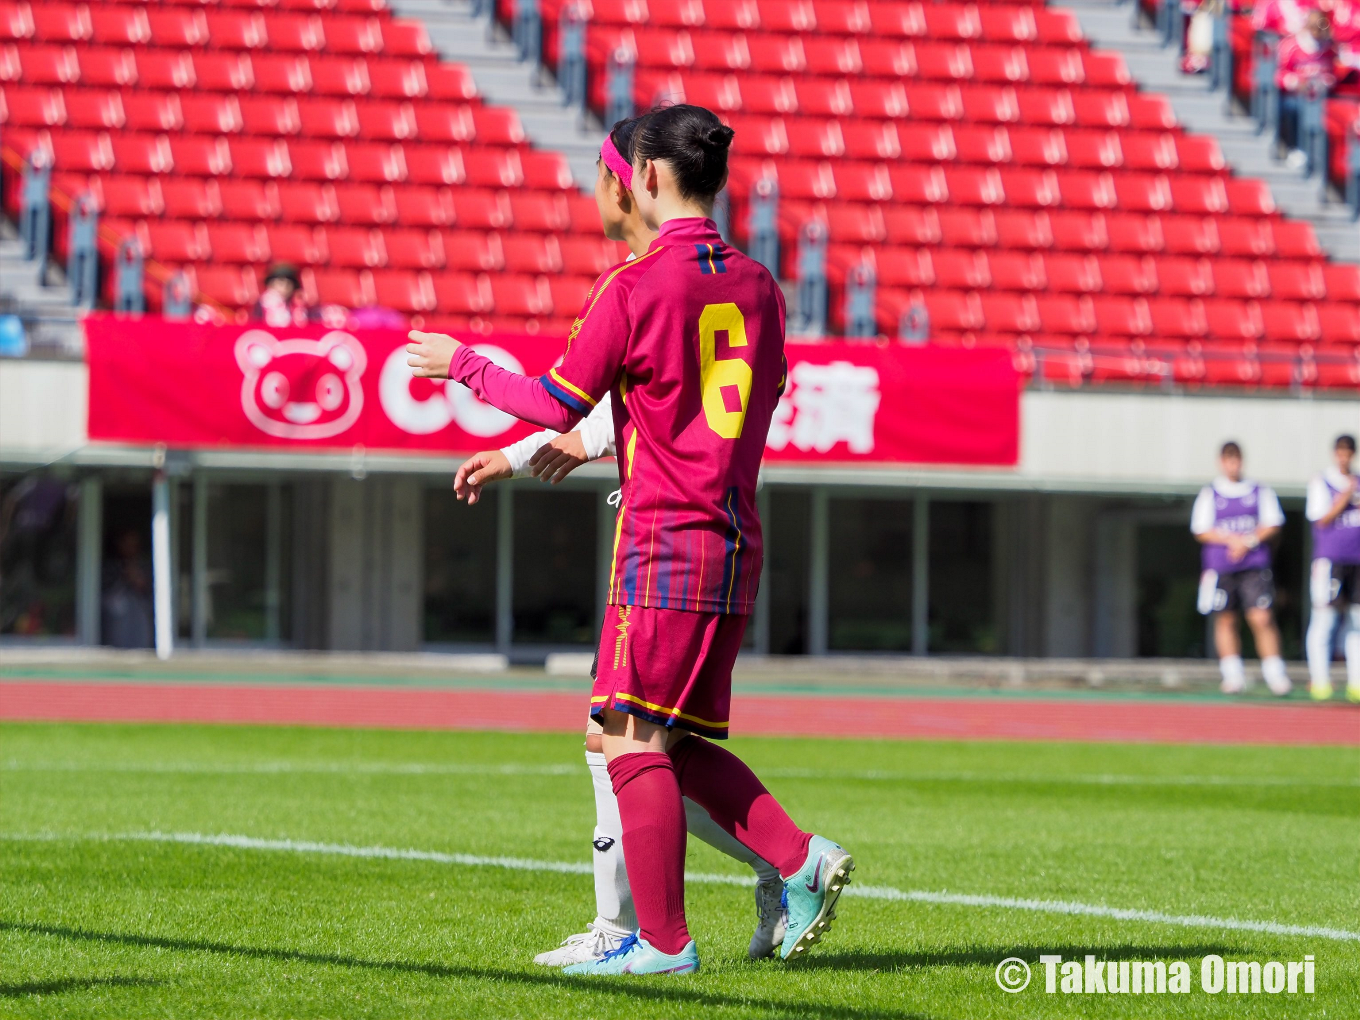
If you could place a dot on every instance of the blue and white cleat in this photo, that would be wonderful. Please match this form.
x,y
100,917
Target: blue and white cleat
x,y
635,956
810,896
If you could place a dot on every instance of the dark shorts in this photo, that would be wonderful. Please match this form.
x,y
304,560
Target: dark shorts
x,y
668,666
1334,584
1243,589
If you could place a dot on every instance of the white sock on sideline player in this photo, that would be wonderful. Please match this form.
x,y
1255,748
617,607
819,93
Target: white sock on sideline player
x,y
1275,675
1353,649
1318,644
1234,675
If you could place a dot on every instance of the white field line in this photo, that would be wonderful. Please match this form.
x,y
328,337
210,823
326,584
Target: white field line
x,y
873,892
528,769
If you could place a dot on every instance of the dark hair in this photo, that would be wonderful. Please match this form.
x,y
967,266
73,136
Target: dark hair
x,y
692,141
622,134
1231,449
1346,441
284,271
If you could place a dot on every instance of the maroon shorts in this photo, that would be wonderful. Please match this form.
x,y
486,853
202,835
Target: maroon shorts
x,y
668,666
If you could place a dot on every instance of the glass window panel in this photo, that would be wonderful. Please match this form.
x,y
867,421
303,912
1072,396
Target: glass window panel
x,y
786,569
962,610
38,555
869,549
125,597
238,542
555,567
460,567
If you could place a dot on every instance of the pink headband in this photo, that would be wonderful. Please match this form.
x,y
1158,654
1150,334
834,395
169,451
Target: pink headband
x,y
621,167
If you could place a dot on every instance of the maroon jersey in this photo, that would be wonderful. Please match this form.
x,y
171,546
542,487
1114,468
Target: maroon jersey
x,y
690,337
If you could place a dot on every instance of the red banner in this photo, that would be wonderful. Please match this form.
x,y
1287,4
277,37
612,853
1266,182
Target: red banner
x,y
193,386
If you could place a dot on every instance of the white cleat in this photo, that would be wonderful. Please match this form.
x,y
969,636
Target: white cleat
x,y
773,920
1280,686
1234,685
590,944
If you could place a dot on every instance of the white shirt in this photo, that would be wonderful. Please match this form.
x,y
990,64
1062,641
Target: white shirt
x,y
1268,510
597,436
1320,498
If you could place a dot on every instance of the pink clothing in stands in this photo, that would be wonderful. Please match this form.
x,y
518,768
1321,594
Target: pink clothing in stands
x,y
527,399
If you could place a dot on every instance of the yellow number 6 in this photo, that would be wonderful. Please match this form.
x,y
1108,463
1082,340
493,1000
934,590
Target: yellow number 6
x,y
716,375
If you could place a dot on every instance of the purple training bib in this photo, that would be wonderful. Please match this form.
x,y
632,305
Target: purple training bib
x,y
1340,540
1241,515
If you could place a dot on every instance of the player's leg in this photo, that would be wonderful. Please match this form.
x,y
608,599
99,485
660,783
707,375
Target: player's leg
x,y
1262,622
770,912
614,916
814,869
653,817
1321,627
1229,649
1353,653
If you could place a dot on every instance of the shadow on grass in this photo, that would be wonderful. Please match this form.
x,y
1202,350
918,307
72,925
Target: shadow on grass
x,y
990,956
18,991
668,990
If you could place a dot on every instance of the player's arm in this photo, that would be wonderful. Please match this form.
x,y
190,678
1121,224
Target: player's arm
x,y
1338,505
592,440
1270,519
1202,527
438,356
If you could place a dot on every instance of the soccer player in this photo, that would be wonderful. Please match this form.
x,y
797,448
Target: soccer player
x,y
1234,520
552,456
1334,508
690,338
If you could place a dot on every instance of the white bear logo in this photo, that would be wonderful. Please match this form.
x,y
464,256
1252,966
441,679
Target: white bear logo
x,y
301,389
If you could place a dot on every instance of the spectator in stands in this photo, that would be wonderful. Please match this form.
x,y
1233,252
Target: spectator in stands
x,y
1234,521
1306,66
283,302
1283,17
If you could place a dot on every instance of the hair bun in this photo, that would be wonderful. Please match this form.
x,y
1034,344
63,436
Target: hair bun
x,y
719,137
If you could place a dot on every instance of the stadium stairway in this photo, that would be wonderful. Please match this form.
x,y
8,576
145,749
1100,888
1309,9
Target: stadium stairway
x,y
485,48
45,308
1113,26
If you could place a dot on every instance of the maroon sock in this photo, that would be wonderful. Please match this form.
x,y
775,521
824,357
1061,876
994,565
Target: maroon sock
x,y
653,818
722,784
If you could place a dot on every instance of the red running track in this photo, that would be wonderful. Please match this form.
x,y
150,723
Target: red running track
x,y
976,718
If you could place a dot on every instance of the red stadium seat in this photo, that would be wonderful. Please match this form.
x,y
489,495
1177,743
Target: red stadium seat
x,y
538,211
209,114
280,73
233,286
353,35
177,27
1185,277
60,23
585,256
1233,320
473,250
330,76
1193,235
450,83
47,65
297,245
308,202
118,26
953,310
1064,314
130,197
1122,316
402,79
966,228
269,115
153,111
1010,313
903,267
366,204
1293,239
382,121
1023,230
418,206
106,67
1088,149
189,198
1245,237
1342,282
238,242
326,118
1125,274
960,270
493,168
463,293
531,253
1240,278
310,161
1289,321
1297,281
403,38
405,291
216,72
1249,197
1177,318
142,154
1079,231
236,30
174,241
1011,270
247,200
33,107
356,247
295,33
1339,323
349,287
482,209
1073,274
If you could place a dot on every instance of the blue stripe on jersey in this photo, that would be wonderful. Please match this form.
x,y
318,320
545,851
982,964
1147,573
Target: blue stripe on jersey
x,y
732,557
564,396
711,258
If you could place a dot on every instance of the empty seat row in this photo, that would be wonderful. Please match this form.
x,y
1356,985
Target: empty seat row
x,y
1167,318
995,63
1016,187
217,114
266,158
1129,275
219,27
994,22
879,100
1078,148
255,201
1023,230
210,71
179,241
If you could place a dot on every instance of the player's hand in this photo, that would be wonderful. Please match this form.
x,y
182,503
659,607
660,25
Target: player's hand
x,y
554,461
1237,548
431,354
478,470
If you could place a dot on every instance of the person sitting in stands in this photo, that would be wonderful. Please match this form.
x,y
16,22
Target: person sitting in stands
x,y
282,302
1306,67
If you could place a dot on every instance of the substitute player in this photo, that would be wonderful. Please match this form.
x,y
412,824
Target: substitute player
x,y
690,337
1334,508
1234,520
552,456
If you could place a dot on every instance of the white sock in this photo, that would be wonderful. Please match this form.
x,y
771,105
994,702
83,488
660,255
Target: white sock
x,y
1276,677
1318,643
613,896
1234,675
700,823
1353,648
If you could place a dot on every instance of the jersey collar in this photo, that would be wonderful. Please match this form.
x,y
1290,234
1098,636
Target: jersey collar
x,y
1232,490
688,230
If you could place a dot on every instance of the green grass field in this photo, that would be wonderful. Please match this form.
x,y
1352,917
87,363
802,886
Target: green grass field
x,y
93,923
